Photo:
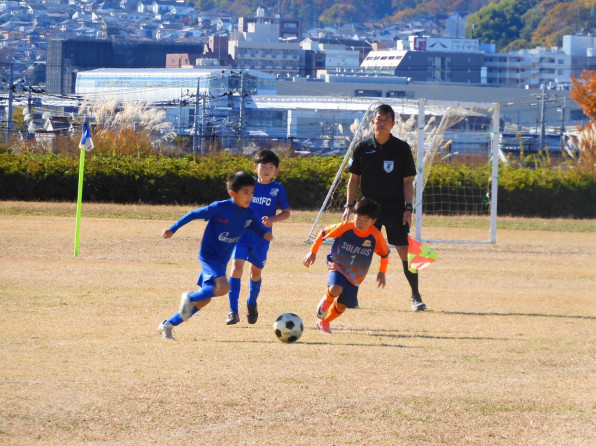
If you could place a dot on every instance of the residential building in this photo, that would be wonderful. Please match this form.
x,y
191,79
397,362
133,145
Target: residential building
x,y
429,59
259,48
529,68
582,50
288,28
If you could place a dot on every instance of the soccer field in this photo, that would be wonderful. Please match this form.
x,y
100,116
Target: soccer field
x,y
505,355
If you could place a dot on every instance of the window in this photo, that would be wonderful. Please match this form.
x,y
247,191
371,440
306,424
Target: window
x,y
369,93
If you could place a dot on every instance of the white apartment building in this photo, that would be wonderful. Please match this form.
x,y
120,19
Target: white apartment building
x,y
259,48
529,68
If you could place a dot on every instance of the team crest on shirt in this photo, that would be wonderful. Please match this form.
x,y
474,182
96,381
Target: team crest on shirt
x,y
274,192
247,224
388,166
367,244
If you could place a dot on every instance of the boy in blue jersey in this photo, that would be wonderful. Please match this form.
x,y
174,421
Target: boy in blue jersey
x,y
227,221
269,196
354,244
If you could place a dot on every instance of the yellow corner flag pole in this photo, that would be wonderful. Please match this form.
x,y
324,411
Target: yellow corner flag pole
x,y
85,145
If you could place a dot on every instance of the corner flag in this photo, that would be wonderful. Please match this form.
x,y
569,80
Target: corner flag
x,y
85,145
419,257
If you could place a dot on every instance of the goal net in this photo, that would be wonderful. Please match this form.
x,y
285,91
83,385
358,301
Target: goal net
x,y
441,134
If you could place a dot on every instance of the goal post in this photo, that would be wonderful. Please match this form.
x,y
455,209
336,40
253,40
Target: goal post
x,y
439,132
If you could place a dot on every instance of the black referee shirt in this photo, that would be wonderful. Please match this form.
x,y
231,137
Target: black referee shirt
x,y
382,169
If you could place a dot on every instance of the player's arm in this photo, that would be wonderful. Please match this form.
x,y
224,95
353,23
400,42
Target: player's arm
x,y
409,199
203,213
283,215
329,232
382,249
352,192
380,280
311,256
259,228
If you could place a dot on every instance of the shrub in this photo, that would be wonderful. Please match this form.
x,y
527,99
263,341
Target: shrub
x,y
541,192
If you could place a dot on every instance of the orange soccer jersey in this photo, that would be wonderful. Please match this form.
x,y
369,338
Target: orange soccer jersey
x,y
352,250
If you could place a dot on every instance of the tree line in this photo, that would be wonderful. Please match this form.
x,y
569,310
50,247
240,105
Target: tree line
x,y
509,24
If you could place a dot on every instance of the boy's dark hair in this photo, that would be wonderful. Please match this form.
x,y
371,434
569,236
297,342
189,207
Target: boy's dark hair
x,y
384,109
368,208
238,180
267,156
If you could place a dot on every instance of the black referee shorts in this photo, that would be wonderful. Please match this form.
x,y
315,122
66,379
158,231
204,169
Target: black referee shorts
x,y
397,233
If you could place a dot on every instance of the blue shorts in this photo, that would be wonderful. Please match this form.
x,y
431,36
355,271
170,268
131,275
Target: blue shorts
x,y
257,255
210,271
349,295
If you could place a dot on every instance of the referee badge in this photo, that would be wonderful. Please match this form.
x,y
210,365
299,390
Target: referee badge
x,y
388,166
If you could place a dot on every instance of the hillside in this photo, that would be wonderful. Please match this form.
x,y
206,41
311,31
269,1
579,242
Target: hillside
x,y
509,24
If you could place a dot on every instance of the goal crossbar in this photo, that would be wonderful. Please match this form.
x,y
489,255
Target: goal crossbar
x,y
427,140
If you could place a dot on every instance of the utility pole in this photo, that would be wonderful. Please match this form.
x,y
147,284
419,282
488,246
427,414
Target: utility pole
x,y
201,137
180,115
542,117
196,120
10,99
563,125
242,96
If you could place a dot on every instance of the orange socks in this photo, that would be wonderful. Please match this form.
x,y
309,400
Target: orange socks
x,y
332,313
328,297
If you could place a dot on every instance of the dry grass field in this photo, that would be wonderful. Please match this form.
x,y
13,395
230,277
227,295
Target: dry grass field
x,y
506,354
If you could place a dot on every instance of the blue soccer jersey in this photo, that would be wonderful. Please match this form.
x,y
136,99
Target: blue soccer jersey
x,y
267,199
227,222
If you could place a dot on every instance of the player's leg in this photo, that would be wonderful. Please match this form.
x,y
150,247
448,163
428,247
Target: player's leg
x,y
335,287
252,313
346,299
397,235
235,286
213,282
166,327
331,292
257,257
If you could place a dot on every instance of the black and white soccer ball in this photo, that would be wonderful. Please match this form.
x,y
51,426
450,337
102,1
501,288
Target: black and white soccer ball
x,y
288,327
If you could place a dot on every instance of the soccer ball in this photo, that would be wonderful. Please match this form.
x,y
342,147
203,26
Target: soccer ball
x,y
288,327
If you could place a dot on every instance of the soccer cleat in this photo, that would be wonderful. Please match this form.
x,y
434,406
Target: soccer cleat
x,y
417,304
233,318
186,307
252,315
325,327
322,308
165,328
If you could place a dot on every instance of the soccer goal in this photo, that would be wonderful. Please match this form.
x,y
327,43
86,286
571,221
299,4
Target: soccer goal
x,y
440,134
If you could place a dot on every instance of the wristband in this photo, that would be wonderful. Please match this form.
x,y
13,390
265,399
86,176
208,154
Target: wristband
x,y
348,206
409,207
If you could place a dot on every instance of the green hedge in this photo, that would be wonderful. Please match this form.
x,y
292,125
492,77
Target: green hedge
x,y
162,180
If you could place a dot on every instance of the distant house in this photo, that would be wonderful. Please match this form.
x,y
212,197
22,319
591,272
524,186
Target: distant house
x,y
58,124
182,60
7,6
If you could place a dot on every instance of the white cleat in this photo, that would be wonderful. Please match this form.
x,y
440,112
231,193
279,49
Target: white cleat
x,y
322,308
165,328
186,307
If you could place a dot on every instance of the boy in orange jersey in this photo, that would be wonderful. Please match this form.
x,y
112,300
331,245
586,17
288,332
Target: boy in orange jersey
x,y
349,260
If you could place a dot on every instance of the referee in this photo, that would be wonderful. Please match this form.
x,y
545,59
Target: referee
x,y
383,166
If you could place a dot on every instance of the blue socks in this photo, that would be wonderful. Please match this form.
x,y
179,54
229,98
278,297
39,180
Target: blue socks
x,y
255,289
234,294
177,319
206,292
